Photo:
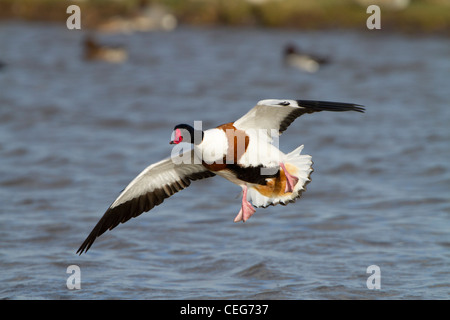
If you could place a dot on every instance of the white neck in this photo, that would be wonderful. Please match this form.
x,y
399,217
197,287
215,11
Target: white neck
x,y
214,146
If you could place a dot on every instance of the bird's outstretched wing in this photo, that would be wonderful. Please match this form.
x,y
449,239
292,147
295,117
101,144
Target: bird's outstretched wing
x,y
154,184
279,114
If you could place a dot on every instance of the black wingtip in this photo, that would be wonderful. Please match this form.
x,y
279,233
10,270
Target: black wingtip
x,y
86,245
316,106
81,250
359,108
98,230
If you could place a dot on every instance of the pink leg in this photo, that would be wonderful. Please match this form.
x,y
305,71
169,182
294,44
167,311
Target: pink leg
x,y
291,180
247,209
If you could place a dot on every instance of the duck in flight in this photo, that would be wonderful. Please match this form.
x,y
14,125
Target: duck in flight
x,y
242,152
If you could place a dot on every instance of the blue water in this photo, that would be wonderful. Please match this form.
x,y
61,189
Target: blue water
x,y
73,133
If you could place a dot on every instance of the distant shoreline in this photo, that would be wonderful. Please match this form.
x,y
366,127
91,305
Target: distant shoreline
x,y
421,16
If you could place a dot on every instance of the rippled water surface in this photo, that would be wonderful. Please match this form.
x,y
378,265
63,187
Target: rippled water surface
x,y
73,133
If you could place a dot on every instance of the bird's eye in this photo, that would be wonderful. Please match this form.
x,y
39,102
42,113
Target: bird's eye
x,y
284,103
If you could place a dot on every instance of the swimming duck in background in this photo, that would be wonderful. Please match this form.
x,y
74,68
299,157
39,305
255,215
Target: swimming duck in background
x,y
305,62
241,152
95,51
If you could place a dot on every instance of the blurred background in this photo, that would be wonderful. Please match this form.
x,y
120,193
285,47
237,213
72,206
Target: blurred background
x,y
82,112
406,15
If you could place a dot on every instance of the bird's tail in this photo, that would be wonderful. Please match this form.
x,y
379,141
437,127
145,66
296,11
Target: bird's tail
x,y
299,166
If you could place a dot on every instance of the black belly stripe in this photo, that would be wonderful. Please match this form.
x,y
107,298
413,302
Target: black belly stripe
x,y
252,174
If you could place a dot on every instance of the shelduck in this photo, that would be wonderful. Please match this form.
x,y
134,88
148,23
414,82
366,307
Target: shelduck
x,y
303,61
242,152
96,51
